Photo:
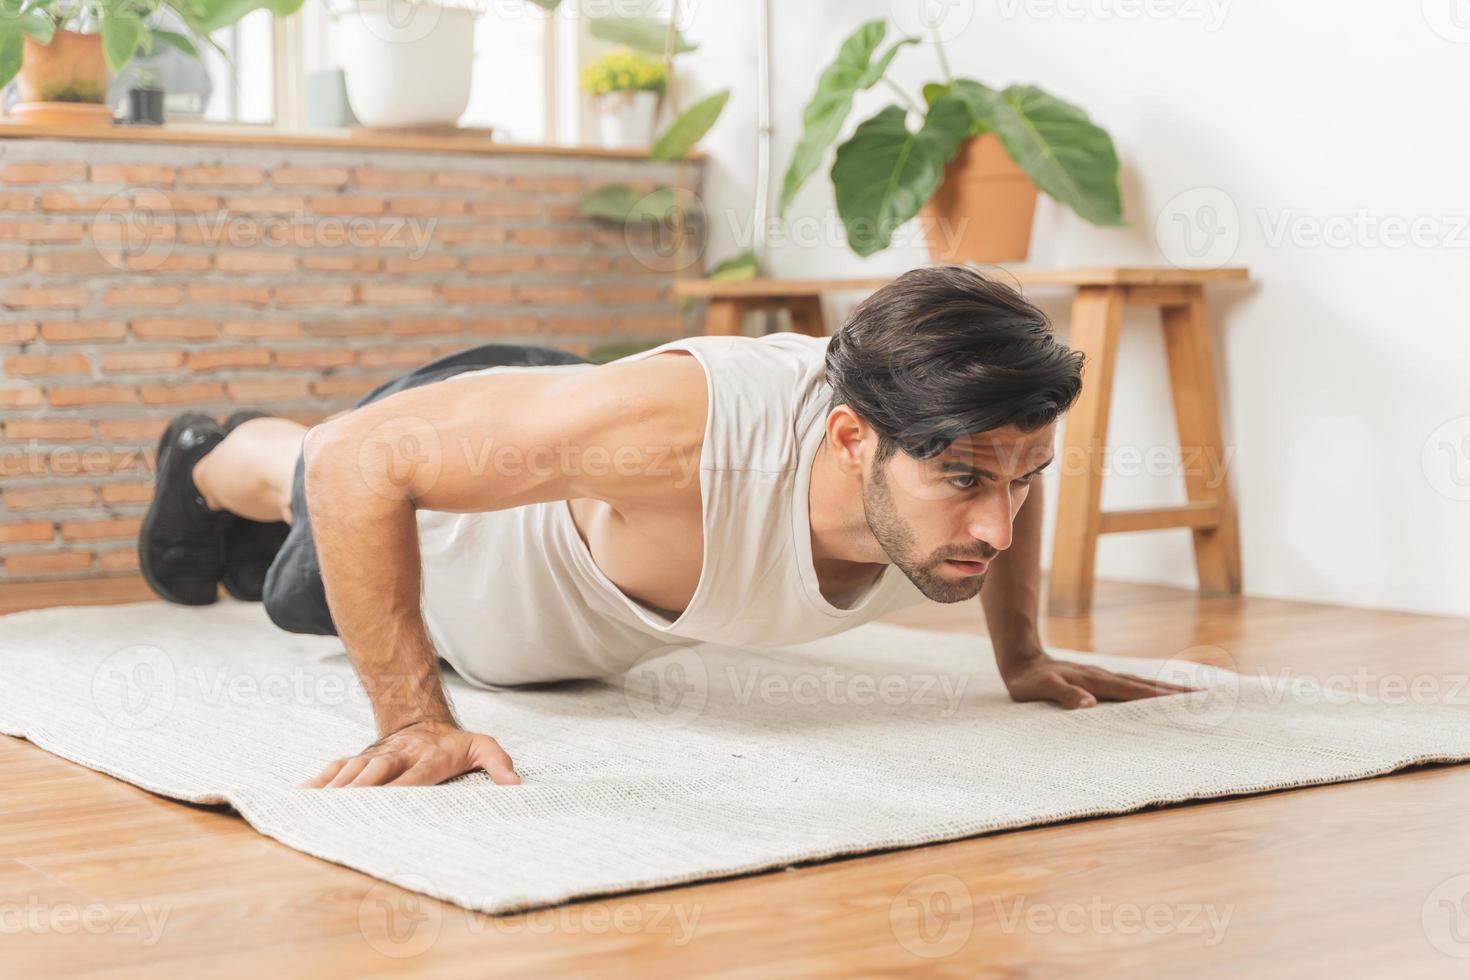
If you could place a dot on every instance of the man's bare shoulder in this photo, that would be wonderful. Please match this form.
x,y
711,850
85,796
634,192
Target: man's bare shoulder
x,y
519,437
669,387
649,404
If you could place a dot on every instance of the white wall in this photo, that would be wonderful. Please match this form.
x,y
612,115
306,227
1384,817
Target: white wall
x,y
1343,359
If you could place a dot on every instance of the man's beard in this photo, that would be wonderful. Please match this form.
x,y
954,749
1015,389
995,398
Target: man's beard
x,y
897,541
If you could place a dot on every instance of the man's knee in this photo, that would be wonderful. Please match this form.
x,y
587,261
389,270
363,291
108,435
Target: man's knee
x,y
295,599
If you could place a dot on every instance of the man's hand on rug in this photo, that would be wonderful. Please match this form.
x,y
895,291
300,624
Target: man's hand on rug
x,y
421,754
1074,685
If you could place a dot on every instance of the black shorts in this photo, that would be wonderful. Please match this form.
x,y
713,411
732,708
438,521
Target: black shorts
x,y
294,597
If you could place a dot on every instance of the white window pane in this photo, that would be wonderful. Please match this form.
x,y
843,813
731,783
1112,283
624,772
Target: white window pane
x,y
509,84
244,86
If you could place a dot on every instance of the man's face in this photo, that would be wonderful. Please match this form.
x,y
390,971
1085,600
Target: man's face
x,y
942,520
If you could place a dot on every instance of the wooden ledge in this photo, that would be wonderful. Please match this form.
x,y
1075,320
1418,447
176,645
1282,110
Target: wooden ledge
x,y
470,141
1089,276
93,591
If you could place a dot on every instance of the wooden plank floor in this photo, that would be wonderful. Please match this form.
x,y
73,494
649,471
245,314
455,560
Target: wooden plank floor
x,y
1365,879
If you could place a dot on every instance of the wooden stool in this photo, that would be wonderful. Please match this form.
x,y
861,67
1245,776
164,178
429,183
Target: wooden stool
x,y
1097,316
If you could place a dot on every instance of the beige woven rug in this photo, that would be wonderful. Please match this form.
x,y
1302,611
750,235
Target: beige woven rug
x,y
701,763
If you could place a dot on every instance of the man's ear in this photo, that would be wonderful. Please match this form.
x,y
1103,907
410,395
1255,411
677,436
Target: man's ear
x,y
850,440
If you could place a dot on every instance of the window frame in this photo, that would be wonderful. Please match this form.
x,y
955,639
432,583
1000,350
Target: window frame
x,y
292,38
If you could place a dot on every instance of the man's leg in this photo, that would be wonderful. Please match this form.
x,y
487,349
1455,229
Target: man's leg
x,y
249,472
256,472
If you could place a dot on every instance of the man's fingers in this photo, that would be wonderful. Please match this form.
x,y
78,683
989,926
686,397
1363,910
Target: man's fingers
x,y
420,762
326,775
379,770
1168,686
1091,674
1164,687
1118,687
1070,695
422,773
349,772
489,756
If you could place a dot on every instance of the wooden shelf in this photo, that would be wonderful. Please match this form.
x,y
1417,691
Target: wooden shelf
x,y
469,141
1088,276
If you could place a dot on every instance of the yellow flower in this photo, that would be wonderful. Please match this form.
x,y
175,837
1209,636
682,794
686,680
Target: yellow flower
x,y
622,70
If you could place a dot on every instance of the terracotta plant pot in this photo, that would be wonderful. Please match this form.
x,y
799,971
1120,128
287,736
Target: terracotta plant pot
x,y
983,209
64,81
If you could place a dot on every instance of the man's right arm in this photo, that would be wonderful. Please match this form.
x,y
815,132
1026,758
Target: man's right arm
x,y
435,447
367,547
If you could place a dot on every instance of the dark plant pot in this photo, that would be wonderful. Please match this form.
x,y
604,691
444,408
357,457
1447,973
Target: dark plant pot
x,y
145,106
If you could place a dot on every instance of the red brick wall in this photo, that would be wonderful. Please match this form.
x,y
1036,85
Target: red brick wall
x,y
141,280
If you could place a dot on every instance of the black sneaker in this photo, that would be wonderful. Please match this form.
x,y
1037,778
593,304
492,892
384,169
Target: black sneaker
x,y
182,544
250,546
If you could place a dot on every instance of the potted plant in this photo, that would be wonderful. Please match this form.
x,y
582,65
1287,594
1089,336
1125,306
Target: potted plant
x,y
409,63
63,53
665,205
145,99
626,88
663,226
622,203
973,165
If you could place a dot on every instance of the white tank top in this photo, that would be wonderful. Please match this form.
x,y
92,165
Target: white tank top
x,y
514,596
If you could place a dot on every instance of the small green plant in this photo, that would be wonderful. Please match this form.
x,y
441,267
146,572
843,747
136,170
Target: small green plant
x,y
619,202
624,70
673,208
127,26
885,172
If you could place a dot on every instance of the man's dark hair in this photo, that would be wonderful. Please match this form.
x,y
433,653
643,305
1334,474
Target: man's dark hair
x,y
945,352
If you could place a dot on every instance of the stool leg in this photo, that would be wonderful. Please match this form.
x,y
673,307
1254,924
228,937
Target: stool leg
x,y
1201,442
724,318
806,316
1097,316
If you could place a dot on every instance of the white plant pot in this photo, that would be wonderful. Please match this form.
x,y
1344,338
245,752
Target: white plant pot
x,y
625,119
407,64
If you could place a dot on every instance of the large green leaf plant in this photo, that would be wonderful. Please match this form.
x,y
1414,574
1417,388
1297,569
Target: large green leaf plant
x,y
128,27
885,171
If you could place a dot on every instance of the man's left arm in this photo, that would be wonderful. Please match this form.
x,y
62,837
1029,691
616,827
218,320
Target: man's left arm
x,y
1011,598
